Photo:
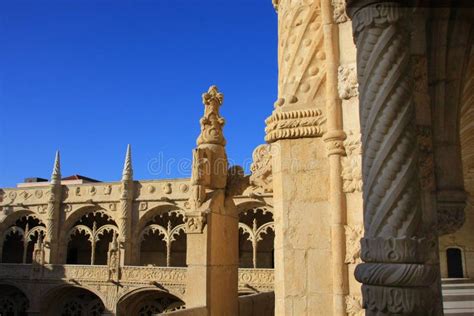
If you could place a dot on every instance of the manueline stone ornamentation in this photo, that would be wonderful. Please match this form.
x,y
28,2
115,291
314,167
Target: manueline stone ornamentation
x,y
339,14
354,305
347,81
295,124
353,235
212,122
261,168
396,277
352,164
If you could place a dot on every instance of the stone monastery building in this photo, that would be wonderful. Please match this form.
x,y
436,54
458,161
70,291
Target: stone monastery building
x,y
359,203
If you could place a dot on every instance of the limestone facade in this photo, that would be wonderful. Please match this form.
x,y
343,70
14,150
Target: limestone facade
x,y
359,203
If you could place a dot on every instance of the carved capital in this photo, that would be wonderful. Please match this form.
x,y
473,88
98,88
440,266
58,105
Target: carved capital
x,y
335,142
295,124
375,13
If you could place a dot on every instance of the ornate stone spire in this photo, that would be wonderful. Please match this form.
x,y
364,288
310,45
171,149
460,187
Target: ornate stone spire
x,y
56,175
127,173
212,122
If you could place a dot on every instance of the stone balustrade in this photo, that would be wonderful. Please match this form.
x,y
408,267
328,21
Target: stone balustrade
x,y
250,280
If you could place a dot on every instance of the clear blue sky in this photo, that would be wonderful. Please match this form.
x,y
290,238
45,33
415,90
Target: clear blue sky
x,y
88,77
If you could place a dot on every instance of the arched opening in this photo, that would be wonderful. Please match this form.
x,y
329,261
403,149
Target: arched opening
x,y
455,263
73,301
163,240
256,238
148,302
13,302
19,239
89,239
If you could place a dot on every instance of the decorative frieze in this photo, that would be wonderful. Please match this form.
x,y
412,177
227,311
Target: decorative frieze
x,y
295,124
347,81
260,279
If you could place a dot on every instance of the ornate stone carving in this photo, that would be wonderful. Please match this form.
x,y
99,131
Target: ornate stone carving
x,y
354,305
195,223
260,279
347,81
335,142
395,278
302,72
295,124
352,164
212,122
261,168
353,236
339,13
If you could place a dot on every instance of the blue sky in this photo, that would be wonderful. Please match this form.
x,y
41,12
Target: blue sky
x,y
88,77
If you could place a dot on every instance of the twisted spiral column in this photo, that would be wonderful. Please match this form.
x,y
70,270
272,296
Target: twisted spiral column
x,y
396,277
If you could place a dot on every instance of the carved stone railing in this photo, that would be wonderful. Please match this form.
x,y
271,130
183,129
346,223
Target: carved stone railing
x,y
256,280
162,275
129,274
252,280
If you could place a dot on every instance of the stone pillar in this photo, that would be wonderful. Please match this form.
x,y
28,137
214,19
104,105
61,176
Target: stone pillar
x,y
52,214
396,247
125,209
334,138
309,272
211,221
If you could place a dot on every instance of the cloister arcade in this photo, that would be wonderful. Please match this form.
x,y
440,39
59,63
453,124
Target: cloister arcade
x,y
80,281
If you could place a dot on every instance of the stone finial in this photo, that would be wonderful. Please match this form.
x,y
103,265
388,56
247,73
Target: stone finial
x,y
127,173
212,122
56,175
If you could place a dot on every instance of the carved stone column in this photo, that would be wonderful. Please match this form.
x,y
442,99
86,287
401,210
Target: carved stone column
x,y
211,220
125,209
396,275
52,214
305,132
